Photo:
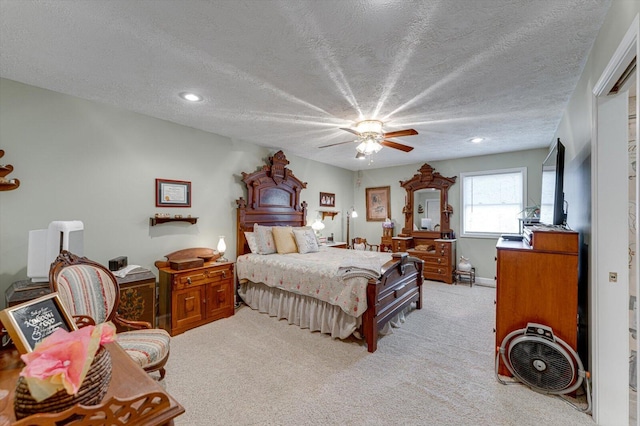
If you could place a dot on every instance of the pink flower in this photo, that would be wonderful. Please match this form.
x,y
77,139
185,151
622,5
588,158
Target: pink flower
x,y
62,360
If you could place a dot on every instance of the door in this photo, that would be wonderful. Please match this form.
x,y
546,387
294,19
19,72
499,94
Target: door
x,y
609,287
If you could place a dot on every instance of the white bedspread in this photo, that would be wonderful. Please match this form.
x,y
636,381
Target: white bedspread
x,y
335,276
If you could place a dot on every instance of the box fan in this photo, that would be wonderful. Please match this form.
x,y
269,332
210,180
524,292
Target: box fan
x,y
544,362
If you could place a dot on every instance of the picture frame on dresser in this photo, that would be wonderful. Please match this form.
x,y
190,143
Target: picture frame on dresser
x,y
31,322
378,203
173,193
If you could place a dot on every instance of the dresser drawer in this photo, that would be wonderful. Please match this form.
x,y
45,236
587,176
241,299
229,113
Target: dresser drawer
x,y
438,272
202,276
434,261
443,249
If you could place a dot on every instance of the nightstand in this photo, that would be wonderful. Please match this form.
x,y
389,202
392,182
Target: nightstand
x,y
336,245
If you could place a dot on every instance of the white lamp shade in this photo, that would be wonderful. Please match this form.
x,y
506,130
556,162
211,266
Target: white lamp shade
x,y
317,225
354,214
222,247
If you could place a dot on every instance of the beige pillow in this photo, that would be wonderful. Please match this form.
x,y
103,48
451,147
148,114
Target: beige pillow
x,y
284,239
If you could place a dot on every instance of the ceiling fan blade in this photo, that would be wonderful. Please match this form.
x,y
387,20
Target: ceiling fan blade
x,y
350,131
406,132
397,145
334,144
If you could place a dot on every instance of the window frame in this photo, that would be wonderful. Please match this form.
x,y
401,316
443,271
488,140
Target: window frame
x,y
464,175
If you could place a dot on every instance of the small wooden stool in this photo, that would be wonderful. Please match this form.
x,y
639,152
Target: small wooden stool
x,y
464,276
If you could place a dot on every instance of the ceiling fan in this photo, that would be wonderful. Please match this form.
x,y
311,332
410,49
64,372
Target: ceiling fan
x,y
371,138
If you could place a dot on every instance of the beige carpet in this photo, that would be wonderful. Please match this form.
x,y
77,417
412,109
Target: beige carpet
x,y
437,369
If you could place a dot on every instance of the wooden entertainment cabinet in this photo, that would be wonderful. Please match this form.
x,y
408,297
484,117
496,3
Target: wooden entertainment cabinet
x,y
537,281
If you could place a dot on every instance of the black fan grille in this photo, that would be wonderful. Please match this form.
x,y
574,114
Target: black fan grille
x,y
541,364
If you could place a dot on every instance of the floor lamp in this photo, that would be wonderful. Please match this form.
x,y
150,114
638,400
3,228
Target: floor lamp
x,y
351,213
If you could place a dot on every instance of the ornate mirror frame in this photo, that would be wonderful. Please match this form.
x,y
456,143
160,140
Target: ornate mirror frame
x,y
428,178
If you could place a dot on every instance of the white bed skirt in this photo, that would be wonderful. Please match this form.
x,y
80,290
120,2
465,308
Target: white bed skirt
x,y
305,311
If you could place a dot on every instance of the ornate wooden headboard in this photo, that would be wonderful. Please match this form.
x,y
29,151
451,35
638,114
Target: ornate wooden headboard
x,y
273,199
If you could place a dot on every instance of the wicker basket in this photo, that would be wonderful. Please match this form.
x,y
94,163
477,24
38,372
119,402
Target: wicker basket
x,y
91,391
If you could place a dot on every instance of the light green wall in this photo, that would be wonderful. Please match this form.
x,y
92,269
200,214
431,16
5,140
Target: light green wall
x,y
480,251
83,160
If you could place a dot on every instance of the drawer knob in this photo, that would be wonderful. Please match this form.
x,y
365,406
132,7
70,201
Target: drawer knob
x,y
439,260
189,281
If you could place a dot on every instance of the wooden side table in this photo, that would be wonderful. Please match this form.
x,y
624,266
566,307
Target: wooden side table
x,y
131,390
342,245
137,297
23,291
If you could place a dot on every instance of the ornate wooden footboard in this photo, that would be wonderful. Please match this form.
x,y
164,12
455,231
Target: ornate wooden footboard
x,y
398,287
273,199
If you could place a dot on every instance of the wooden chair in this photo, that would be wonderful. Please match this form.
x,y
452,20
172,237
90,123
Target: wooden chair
x,y
361,244
91,294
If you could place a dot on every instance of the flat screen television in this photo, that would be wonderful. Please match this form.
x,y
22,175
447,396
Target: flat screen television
x,y
46,244
552,210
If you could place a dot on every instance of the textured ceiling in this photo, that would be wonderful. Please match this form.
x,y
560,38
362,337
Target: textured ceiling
x,y
288,74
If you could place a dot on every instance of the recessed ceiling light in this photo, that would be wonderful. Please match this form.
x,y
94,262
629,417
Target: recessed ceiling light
x,y
477,140
191,97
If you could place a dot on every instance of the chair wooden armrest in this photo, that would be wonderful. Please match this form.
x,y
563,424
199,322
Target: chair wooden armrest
x,y
377,247
83,320
135,325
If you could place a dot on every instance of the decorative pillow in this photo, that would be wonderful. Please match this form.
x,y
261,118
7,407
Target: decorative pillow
x,y
306,240
264,239
251,240
285,242
307,228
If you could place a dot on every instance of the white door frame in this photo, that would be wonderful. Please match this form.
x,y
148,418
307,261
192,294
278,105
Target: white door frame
x,y
607,299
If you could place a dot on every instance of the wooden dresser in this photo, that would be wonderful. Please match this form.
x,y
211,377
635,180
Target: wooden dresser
x,y
192,297
537,281
439,261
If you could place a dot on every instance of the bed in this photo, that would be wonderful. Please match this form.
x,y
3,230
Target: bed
x,y
335,291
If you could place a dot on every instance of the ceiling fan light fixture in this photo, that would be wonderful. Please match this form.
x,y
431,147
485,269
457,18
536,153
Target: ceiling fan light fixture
x,y
368,146
477,140
369,126
360,156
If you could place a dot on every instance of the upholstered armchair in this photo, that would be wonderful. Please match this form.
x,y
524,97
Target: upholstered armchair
x,y
91,294
361,244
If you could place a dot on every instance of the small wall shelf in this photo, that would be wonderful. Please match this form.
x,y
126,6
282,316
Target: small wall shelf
x,y
153,221
326,213
7,184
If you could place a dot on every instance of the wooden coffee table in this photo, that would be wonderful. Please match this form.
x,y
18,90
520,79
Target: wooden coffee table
x,y
132,393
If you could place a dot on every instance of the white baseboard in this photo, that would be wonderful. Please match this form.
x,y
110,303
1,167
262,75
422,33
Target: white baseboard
x,y
486,282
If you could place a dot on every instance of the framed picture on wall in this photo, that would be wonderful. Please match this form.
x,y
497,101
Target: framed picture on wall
x,y
378,203
173,193
327,199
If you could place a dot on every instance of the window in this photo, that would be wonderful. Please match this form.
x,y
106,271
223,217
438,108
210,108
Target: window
x,y
492,201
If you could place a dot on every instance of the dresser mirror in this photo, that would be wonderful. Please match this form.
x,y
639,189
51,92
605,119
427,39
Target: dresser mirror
x,y
427,212
426,209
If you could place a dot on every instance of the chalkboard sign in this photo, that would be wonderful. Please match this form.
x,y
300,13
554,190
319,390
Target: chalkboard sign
x,y
31,322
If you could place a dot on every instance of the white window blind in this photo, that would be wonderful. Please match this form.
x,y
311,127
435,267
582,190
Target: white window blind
x,y
492,201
